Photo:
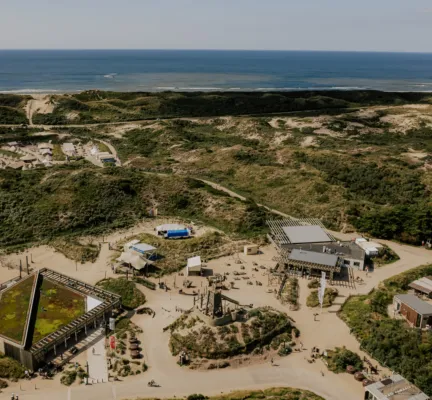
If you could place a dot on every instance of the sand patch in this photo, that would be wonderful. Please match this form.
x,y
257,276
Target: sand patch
x,y
308,141
40,104
415,156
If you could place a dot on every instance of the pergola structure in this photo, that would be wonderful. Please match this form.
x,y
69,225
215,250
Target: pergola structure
x,y
278,229
309,262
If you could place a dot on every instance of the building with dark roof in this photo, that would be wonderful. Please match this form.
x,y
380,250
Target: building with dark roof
x,y
311,235
417,312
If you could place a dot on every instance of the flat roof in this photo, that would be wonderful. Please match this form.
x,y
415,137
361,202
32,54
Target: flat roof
x,y
313,257
396,388
194,262
306,234
412,301
423,285
143,247
343,249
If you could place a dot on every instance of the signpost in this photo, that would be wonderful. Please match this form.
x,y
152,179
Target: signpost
x,y
321,291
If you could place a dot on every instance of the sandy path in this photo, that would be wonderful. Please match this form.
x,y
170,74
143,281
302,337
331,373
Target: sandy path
x,y
40,104
329,331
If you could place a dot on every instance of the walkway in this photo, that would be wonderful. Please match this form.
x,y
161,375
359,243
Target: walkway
x,y
97,362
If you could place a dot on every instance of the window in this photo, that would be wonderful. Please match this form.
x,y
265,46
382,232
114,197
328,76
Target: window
x,y
356,264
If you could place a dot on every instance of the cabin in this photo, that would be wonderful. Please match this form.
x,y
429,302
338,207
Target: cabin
x,y
418,313
422,286
194,266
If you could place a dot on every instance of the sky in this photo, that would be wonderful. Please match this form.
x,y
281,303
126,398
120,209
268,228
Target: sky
x,y
343,25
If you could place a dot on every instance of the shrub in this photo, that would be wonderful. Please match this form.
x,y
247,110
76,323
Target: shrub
x,y
132,297
341,358
10,369
69,377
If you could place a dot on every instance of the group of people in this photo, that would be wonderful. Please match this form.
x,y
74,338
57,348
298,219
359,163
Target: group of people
x,y
14,397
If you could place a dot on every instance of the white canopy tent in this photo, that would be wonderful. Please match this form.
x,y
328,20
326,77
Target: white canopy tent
x,y
134,260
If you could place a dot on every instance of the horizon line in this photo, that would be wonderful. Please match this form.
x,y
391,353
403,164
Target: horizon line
x,y
224,50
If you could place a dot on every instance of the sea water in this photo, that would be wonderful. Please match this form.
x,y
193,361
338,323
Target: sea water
x,y
33,71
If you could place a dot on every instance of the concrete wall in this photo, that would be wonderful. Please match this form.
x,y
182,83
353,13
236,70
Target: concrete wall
x,y
351,262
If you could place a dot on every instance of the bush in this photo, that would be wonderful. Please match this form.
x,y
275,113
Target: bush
x,y
132,297
340,358
148,284
314,284
68,377
197,397
10,369
329,297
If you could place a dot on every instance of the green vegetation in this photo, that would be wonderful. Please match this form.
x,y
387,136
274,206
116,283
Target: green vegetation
x,y
395,345
14,309
264,326
10,369
57,153
329,296
72,200
77,251
96,106
132,297
11,109
267,394
290,293
145,282
173,254
57,307
340,358
69,377
9,154
386,256
353,168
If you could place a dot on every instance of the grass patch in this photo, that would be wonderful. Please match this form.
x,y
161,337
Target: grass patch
x,y
14,308
173,254
58,306
329,296
9,154
132,297
57,153
74,250
267,394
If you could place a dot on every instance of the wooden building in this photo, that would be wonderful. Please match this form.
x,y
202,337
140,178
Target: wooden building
x,y
417,312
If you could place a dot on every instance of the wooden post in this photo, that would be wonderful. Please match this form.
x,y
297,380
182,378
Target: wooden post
x,y
20,269
27,265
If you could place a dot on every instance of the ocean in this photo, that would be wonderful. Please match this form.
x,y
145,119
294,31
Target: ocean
x,y
45,71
